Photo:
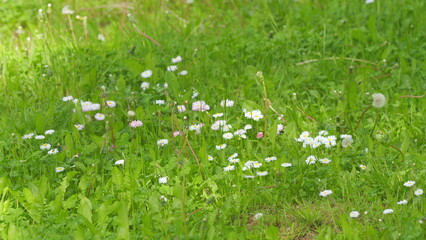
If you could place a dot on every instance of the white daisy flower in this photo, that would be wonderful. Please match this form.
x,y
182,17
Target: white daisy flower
x,y
45,146
325,160
28,136
221,146
39,137
409,183
311,160
49,132
263,173
131,113
210,158
172,68
67,98
200,106
99,116
354,214
59,169
160,102
362,167
183,73
418,192
177,59
181,108
146,74
163,180
387,211
229,168
379,100
227,135
403,202
325,193
162,142
145,85
227,103
258,216
286,165
53,151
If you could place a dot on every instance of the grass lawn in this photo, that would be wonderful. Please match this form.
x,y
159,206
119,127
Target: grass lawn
x,y
212,119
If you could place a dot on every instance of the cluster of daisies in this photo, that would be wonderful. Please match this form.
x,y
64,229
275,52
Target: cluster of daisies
x,y
45,146
323,139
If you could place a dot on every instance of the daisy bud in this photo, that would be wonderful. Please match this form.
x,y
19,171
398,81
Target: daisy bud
x,y
379,100
259,135
131,113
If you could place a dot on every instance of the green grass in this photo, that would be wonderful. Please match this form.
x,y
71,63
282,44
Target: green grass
x,y
321,62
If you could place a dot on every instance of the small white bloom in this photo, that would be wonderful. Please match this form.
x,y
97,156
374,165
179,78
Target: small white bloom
x,y
45,146
160,102
172,68
263,173
66,10
221,146
346,142
146,74
162,142
311,160
28,136
177,59
59,169
216,115
258,216
67,98
325,193
200,106
181,108
270,159
163,180
418,192
323,133
229,168
101,37
403,202
99,116
119,162
286,165
362,167
135,123
369,1
210,158
131,113
354,214
409,183
227,103
325,161
183,73
163,198
387,211
248,177
379,100
145,85
39,137
111,103
49,132
228,135
53,151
